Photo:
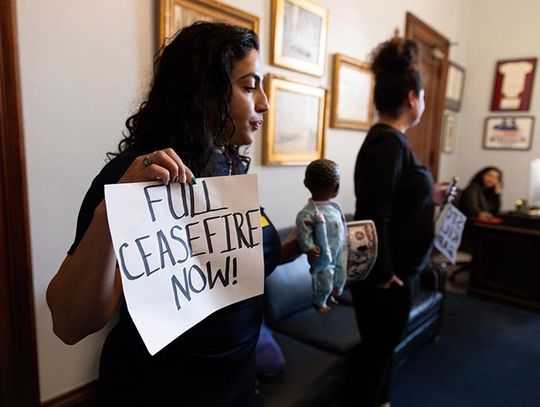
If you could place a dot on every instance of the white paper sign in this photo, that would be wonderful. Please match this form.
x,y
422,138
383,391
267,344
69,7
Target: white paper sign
x,y
448,231
185,251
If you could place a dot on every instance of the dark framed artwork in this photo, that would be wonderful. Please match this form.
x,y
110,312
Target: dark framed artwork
x,y
508,132
454,86
513,83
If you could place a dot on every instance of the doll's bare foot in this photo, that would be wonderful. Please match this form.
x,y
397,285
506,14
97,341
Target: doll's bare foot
x,y
332,300
323,309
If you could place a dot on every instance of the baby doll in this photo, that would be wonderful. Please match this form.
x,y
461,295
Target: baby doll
x,y
321,232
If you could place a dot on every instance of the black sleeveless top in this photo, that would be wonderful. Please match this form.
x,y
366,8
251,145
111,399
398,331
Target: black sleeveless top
x,y
227,333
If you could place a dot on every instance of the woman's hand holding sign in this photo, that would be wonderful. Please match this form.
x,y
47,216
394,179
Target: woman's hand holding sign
x,y
161,165
85,293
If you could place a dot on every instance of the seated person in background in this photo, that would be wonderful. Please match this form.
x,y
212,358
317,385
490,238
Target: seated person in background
x,y
482,197
321,232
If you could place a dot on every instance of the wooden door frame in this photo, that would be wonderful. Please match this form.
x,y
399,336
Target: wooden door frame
x,y
417,29
19,380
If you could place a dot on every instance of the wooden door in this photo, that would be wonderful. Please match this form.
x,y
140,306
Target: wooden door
x,y
19,384
425,138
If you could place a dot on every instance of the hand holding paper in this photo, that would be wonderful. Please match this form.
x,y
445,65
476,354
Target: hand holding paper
x,y
185,251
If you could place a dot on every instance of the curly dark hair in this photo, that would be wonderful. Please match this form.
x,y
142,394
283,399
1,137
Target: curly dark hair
x,y
321,175
478,178
187,107
396,73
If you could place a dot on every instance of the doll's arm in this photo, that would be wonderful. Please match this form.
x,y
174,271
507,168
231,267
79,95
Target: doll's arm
x,y
305,226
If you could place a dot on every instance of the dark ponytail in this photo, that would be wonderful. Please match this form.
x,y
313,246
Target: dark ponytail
x,y
396,73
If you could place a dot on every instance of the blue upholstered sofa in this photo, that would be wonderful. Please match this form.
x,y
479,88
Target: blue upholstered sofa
x,y
315,346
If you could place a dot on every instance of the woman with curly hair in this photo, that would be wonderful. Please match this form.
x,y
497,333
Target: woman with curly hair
x,y
482,197
206,100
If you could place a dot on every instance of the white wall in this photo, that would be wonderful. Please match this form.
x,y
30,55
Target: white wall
x,y
354,29
83,68
505,30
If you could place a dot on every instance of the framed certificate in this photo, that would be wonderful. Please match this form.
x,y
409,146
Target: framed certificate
x,y
508,132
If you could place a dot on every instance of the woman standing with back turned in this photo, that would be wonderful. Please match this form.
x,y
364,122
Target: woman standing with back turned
x,y
396,191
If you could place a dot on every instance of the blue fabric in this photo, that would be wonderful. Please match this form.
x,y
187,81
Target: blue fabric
x,y
269,357
322,224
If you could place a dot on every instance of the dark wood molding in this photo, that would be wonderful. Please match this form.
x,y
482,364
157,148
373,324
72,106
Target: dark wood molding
x,y
84,396
19,383
438,44
414,27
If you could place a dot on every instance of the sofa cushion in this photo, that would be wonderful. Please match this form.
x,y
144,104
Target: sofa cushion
x,y
335,331
311,377
288,290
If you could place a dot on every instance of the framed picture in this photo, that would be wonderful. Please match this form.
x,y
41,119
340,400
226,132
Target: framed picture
x,y
508,132
448,133
454,86
176,14
352,94
295,126
513,84
299,29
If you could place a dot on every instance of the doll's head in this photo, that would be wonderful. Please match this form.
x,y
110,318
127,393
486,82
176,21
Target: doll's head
x,y
322,179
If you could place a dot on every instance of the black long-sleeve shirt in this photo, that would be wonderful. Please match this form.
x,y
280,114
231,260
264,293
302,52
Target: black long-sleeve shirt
x,y
395,191
475,199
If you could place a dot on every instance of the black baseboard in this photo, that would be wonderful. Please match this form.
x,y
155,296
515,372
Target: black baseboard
x,y
84,396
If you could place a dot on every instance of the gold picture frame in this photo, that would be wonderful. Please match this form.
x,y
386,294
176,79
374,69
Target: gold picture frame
x,y
176,14
295,126
299,31
352,94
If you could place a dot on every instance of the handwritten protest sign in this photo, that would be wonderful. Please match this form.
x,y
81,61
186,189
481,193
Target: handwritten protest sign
x,y
448,231
185,251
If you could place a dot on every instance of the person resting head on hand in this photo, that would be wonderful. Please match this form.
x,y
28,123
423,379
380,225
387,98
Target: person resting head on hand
x,y
482,197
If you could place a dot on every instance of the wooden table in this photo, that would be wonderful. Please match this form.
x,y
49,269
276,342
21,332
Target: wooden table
x,y
506,264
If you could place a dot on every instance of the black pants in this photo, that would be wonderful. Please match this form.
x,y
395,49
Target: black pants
x,y
382,315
